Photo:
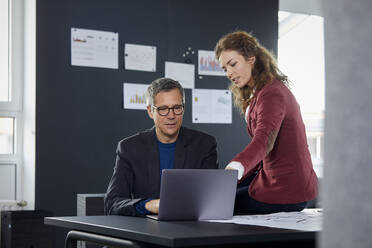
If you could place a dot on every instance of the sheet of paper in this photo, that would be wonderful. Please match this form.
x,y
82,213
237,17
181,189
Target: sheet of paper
x,y
208,65
134,96
307,220
94,48
211,106
140,57
183,73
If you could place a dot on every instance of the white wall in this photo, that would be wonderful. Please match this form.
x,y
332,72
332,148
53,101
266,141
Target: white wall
x,y
311,7
29,103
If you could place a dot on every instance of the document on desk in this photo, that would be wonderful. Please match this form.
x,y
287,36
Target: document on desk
x,y
306,220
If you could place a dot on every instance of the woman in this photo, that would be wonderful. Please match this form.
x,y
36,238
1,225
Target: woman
x,y
275,169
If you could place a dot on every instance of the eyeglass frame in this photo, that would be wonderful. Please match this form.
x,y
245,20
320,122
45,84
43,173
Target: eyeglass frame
x,y
172,108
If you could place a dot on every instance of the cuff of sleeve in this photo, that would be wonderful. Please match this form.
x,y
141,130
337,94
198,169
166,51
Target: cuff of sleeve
x,y
235,165
140,207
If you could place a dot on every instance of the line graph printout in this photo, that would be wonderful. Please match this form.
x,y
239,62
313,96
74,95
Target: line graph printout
x,y
211,106
134,96
208,65
94,48
140,57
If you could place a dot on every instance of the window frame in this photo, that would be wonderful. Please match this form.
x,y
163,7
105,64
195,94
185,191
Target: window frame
x,y
14,107
16,56
288,20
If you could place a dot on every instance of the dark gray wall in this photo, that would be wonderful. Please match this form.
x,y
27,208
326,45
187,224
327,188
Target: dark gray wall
x,y
79,114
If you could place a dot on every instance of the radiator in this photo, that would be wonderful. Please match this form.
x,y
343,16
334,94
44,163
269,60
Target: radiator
x,y
11,205
6,205
26,229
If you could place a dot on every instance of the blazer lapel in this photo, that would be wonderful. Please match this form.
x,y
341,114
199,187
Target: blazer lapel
x,y
180,153
153,162
249,116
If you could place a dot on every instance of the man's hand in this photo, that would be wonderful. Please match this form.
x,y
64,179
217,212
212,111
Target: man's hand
x,y
153,206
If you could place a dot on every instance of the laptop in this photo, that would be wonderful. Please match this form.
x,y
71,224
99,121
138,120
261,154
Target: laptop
x,y
197,194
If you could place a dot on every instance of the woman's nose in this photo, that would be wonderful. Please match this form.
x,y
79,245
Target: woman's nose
x,y
229,74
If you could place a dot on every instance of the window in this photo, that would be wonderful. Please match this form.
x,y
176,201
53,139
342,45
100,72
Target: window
x,y
8,181
11,73
301,58
4,85
7,135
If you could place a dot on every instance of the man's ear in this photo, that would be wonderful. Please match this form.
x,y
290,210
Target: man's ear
x,y
149,112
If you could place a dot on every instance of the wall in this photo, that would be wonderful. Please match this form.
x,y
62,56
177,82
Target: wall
x,y
311,7
347,194
79,115
28,179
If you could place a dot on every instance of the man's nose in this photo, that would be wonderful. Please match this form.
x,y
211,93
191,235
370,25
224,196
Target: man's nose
x,y
171,114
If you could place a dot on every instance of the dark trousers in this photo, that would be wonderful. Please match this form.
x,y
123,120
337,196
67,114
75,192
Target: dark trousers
x,y
244,204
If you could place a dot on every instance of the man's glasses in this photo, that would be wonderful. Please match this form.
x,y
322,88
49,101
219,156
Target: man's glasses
x,y
164,110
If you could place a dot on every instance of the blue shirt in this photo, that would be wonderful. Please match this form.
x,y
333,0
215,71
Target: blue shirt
x,y
166,158
166,154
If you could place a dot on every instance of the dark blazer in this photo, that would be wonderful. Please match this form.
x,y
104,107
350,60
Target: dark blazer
x,y
137,170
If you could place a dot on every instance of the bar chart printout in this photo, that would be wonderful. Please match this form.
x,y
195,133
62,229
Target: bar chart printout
x,y
134,96
208,65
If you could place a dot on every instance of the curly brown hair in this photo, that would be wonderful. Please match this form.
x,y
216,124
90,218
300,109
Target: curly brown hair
x,y
265,68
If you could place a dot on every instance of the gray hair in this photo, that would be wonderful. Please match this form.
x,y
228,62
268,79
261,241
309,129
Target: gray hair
x,y
162,84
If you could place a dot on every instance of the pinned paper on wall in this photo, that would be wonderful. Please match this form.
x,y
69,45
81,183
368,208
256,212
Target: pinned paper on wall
x,y
134,96
94,48
211,106
140,57
184,73
208,65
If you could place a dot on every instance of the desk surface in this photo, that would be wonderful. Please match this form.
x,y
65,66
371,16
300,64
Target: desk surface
x,y
177,233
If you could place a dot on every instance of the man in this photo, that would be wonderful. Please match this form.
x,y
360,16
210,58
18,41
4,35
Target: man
x,y
135,184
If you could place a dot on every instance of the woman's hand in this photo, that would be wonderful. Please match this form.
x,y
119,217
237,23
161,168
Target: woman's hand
x,y
235,165
153,206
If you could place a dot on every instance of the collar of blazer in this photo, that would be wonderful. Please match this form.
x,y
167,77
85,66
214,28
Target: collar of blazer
x,y
180,153
153,155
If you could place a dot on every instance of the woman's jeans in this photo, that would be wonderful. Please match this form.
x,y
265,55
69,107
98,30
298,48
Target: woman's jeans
x,y
244,204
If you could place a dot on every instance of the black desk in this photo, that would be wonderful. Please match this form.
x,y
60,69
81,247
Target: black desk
x,y
122,231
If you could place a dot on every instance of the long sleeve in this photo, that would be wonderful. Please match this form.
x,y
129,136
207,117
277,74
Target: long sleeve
x,y
141,207
265,119
118,200
137,169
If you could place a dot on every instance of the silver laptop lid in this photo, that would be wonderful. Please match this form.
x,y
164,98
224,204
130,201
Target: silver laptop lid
x,y
197,194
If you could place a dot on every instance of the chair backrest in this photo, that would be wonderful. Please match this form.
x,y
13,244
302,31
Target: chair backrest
x,y
90,204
